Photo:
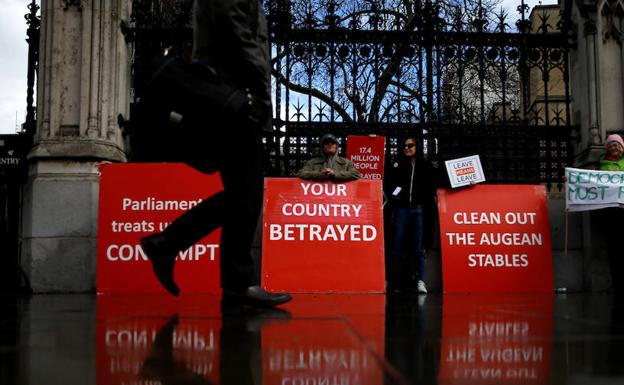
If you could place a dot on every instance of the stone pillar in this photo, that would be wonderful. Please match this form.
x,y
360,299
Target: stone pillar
x,y
83,85
597,82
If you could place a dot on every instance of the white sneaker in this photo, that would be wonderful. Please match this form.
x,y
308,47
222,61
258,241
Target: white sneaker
x,y
421,288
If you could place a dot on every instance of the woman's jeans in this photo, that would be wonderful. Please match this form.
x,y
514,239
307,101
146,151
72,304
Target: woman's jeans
x,y
407,236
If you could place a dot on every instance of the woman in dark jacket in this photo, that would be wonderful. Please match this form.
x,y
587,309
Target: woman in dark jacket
x,y
411,189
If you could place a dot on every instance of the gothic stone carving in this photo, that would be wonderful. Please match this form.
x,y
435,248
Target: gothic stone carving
x,y
71,3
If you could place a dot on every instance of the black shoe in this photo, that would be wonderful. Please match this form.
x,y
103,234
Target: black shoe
x,y
254,296
163,260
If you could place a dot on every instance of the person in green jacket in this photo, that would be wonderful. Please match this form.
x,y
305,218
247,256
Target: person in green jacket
x,y
329,165
612,217
612,160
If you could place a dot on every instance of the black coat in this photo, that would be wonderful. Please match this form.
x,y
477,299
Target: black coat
x,y
231,36
418,185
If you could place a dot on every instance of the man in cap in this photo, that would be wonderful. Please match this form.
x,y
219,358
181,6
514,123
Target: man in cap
x,y
329,165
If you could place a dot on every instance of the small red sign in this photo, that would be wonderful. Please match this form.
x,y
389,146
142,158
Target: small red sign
x,y
464,171
367,154
322,236
495,238
137,199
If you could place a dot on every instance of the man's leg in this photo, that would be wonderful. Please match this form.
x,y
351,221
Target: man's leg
x,y
163,248
243,183
190,227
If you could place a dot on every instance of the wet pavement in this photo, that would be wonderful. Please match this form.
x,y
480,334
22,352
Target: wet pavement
x,y
315,340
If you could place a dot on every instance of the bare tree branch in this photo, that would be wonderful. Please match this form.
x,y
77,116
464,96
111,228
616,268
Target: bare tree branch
x,y
312,92
412,92
388,73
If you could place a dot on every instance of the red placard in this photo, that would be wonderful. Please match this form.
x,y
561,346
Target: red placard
x,y
495,238
322,236
367,154
494,339
137,199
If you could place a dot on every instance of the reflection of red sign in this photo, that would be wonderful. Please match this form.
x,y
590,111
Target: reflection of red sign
x,y
138,199
133,346
495,238
318,347
335,339
492,339
367,154
322,237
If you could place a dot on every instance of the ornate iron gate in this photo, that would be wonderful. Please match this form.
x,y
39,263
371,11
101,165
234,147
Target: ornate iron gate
x,y
13,150
13,169
454,74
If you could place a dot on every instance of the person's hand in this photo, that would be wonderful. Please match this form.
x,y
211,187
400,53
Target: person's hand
x,y
328,173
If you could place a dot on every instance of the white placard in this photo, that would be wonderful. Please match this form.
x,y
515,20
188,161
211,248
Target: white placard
x,y
593,189
465,171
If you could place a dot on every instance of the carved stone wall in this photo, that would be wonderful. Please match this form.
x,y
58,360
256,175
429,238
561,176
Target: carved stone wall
x,y
83,85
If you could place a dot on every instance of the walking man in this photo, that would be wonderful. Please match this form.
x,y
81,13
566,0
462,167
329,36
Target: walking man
x,y
230,36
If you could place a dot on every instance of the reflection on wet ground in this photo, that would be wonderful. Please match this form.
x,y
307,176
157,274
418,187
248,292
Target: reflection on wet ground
x,y
315,340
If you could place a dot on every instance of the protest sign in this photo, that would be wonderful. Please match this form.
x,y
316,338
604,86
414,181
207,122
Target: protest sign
x,y
465,171
322,236
367,154
593,189
137,199
495,238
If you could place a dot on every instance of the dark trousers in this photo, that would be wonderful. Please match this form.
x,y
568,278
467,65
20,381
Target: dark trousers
x,y
407,240
237,153
611,220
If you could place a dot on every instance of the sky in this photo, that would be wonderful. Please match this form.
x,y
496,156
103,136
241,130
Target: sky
x,y
14,57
